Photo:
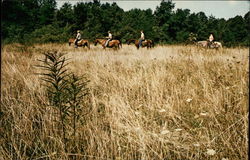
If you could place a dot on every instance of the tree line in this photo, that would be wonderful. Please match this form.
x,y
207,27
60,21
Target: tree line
x,y
39,21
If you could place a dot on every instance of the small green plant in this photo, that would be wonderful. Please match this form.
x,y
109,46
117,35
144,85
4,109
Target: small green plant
x,y
65,90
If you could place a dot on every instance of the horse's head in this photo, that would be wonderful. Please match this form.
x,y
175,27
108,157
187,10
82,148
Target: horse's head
x,y
129,41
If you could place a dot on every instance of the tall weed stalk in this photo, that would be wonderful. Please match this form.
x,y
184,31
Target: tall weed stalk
x,y
65,90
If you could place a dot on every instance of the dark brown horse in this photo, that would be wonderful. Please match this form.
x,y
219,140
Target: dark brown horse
x,y
112,44
81,43
147,43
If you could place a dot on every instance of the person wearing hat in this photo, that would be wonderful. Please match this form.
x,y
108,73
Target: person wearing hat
x,y
141,39
78,38
109,38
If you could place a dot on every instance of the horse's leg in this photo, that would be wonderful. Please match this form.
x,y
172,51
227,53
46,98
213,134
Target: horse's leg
x,y
137,46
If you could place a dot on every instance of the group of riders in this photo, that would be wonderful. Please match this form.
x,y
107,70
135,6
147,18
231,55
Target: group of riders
x,y
109,38
192,38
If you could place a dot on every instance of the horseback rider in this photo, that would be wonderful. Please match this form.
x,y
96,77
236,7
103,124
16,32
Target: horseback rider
x,y
78,38
210,40
141,39
109,38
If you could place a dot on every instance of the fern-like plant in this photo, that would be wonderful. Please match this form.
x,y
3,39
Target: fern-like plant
x,y
55,76
65,90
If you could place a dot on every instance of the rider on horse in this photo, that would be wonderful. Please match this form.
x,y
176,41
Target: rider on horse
x,y
142,38
109,38
210,40
78,38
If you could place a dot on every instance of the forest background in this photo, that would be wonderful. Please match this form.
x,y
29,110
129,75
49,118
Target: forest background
x,y
40,21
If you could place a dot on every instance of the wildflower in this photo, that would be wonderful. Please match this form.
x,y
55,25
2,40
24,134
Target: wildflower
x,y
203,113
224,159
189,100
178,129
197,145
165,132
211,152
162,110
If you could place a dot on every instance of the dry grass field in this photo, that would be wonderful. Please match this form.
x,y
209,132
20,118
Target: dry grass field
x,y
166,103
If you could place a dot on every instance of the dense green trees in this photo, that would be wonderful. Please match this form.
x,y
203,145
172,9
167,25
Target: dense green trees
x,y
40,21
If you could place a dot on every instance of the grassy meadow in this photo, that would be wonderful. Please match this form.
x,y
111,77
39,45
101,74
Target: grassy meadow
x,y
171,102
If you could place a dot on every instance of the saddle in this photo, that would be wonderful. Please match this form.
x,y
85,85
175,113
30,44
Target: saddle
x,y
80,41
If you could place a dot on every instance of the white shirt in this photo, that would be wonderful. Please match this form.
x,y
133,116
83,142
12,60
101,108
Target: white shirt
x,y
142,36
78,36
110,36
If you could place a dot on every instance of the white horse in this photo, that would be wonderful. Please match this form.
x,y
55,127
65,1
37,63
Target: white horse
x,y
205,44
202,44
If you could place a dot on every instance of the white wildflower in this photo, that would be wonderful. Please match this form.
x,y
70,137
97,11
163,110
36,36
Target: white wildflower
x,y
178,129
224,159
165,132
162,110
189,100
211,152
197,145
203,113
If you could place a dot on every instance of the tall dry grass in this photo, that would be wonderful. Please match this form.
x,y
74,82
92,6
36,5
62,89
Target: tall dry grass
x,y
170,102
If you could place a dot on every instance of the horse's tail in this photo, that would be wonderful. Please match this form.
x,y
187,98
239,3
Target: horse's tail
x,y
153,44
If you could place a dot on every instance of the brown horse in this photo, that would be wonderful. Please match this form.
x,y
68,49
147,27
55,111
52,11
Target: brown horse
x,y
81,43
112,44
147,43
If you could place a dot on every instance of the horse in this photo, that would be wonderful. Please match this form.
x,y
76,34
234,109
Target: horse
x,y
112,44
216,45
202,44
147,43
213,45
81,43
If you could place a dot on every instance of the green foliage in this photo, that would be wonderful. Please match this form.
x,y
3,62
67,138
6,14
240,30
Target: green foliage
x,y
50,33
38,21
